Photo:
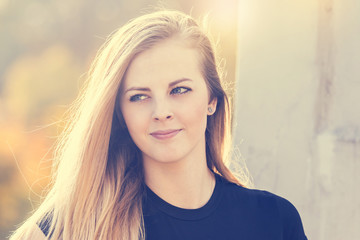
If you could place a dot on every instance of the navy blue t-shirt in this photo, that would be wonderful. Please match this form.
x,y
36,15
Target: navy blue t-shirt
x,y
233,212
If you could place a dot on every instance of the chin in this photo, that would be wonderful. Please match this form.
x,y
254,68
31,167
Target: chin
x,y
164,158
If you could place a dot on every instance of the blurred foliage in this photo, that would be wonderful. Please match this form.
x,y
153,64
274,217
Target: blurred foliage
x,y
46,46
21,170
36,83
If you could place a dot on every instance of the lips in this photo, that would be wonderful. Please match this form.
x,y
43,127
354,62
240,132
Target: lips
x,y
165,134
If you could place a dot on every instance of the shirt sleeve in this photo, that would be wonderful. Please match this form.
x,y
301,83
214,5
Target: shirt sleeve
x,y
44,224
291,221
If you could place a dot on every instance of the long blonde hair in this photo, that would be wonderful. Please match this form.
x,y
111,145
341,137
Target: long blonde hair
x,y
98,182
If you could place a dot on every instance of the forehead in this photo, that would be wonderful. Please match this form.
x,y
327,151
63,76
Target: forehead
x,y
167,61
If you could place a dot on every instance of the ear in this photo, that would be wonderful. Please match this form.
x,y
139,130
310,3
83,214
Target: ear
x,y
212,107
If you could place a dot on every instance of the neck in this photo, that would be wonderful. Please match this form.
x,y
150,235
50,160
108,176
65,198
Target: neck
x,y
188,183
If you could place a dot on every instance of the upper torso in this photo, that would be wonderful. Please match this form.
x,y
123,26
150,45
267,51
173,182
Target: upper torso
x,y
233,212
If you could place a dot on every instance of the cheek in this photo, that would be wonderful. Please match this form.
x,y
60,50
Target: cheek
x,y
194,114
135,119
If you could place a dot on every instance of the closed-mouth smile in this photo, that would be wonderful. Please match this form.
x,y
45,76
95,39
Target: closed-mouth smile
x,y
165,134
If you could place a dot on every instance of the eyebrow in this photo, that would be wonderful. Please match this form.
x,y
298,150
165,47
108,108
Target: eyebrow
x,y
148,89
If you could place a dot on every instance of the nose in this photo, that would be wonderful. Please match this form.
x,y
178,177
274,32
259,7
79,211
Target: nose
x,y
162,111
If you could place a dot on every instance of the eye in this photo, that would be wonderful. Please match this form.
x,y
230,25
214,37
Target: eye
x,y
180,90
138,97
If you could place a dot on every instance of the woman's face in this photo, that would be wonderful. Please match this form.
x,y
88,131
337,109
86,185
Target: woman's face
x,y
165,102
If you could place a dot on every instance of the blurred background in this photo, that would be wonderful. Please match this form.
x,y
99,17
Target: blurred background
x,y
293,66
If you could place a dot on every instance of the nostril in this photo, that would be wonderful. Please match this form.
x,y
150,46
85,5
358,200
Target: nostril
x,y
163,117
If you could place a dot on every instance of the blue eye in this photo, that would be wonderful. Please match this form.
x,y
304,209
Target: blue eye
x,y
138,97
180,90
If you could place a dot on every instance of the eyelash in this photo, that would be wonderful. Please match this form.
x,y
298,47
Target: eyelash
x,y
186,90
135,98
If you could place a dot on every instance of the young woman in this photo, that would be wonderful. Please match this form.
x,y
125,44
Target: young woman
x,y
144,154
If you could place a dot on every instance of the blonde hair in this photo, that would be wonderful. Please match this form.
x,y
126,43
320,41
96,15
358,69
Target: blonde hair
x,y
99,184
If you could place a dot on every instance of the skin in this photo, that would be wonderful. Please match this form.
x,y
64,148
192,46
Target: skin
x,y
165,104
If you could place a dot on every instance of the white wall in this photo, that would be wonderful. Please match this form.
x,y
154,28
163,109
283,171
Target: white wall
x,y
298,107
